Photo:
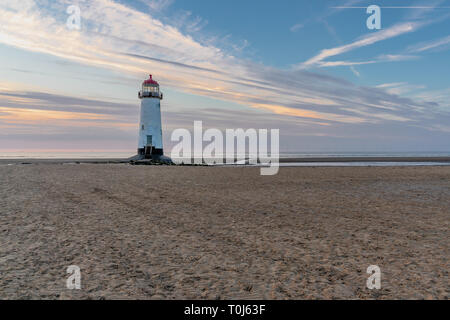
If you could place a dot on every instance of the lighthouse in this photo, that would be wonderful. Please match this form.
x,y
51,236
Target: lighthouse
x,y
150,145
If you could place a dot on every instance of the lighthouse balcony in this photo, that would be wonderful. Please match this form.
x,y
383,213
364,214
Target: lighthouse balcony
x,y
150,94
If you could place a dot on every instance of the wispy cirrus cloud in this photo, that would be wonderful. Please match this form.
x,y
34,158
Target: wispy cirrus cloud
x,y
370,39
157,5
380,59
442,43
296,27
399,88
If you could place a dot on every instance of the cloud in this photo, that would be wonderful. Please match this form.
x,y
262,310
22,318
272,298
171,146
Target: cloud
x,y
425,46
396,57
174,63
296,27
91,124
344,63
157,5
354,71
379,59
370,39
400,88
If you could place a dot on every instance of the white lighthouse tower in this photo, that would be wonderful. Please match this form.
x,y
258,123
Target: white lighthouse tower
x,y
150,144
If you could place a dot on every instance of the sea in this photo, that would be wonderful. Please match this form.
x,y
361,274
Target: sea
x,y
5,155
415,154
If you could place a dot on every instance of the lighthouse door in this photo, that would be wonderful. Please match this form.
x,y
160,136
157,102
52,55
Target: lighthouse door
x,y
149,140
148,148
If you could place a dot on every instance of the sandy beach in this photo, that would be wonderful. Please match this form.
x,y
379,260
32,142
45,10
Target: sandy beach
x,y
157,232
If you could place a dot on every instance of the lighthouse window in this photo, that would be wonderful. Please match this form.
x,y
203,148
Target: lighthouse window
x,y
146,89
142,127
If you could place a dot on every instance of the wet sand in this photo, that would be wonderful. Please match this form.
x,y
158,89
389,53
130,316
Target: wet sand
x,y
154,232
281,160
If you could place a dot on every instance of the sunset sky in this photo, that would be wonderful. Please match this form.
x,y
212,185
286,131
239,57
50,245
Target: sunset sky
x,y
309,68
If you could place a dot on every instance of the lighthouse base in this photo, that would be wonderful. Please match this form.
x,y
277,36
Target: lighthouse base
x,y
149,152
151,155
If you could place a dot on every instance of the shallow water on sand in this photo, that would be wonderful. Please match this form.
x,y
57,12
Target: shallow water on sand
x,y
362,164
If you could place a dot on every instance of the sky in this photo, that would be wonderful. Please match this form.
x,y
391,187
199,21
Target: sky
x,y
311,69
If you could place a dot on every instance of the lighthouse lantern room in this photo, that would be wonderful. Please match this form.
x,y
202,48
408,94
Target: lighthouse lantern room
x,y
150,132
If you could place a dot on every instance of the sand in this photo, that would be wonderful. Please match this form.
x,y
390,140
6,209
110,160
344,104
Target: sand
x,y
155,232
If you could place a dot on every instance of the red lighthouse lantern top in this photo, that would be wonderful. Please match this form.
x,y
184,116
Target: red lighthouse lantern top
x,y
150,81
150,89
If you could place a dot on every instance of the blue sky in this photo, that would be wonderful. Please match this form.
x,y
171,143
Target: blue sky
x,y
312,70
